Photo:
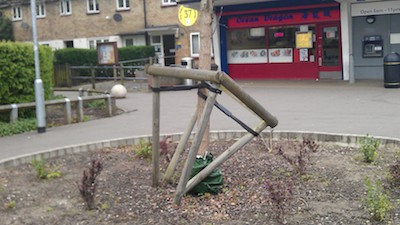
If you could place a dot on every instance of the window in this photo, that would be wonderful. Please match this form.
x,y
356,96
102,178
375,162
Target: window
x,y
282,37
16,13
195,44
168,2
65,7
129,42
93,42
93,6
40,10
156,42
69,44
123,4
249,38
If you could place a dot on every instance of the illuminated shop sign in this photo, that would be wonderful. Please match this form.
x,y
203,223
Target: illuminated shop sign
x,y
311,15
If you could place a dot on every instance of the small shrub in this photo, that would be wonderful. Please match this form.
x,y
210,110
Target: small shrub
x,y
394,173
378,203
87,185
143,149
303,151
96,104
368,148
43,171
280,193
11,204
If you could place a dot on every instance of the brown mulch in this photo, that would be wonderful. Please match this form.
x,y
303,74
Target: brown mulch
x,y
261,186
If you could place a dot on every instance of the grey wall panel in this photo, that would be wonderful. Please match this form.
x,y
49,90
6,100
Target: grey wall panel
x,y
369,68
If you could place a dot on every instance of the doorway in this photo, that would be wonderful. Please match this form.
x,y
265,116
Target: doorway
x,y
329,51
164,46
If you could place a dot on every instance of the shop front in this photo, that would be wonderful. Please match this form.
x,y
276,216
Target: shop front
x,y
302,42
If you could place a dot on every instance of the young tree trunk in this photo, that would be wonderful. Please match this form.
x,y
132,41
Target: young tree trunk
x,y
206,10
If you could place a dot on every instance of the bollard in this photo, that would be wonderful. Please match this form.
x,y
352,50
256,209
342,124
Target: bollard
x,y
80,109
68,113
14,113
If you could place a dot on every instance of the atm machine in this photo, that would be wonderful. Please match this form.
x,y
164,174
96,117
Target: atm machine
x,y
372,46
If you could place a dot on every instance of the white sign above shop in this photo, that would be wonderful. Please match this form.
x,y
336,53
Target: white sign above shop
x,y
375,8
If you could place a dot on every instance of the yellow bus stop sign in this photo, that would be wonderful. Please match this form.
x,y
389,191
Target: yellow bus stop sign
x,y
187,16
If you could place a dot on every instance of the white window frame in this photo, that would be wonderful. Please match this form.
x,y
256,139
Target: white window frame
x,y
94,41
168,2
40,10
94,4
192,53
16,12
65,7
125,4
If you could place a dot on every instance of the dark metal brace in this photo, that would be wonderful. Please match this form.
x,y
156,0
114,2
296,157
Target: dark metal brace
x,y
229,114
186,88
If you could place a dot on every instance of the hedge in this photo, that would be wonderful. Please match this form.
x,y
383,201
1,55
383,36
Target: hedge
x,y
17,72
80,57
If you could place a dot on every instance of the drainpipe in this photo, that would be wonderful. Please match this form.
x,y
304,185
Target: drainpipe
x,y
146,35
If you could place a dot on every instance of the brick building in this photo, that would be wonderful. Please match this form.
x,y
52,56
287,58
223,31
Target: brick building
x,y
84,23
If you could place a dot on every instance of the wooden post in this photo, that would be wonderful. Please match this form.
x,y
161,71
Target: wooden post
x,y
156,132
179,149
115,73
93,77
122,73
203,123
68,74
223,157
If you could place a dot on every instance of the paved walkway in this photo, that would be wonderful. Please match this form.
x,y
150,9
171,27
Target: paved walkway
x,y
321,106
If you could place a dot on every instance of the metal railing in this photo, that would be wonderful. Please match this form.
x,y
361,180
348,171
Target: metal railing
x,y
67,103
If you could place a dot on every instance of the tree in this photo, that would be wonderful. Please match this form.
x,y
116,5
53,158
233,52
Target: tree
x,y
206,10
6,29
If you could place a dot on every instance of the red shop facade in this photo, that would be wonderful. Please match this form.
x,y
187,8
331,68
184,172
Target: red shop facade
x,y
299,42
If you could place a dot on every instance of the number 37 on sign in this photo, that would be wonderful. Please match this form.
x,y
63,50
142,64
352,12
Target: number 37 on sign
x,y
187,16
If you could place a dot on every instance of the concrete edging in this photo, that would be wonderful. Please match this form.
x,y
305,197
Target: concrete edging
x,y
334,138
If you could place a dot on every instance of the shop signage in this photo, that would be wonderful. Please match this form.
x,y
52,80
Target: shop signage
x,y
247,56
375,8
304,39
303,16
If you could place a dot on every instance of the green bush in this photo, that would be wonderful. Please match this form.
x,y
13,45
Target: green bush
x,y
377,201
17,127
135,52
75,56
368,148
143,149
79,57
17,72
6,29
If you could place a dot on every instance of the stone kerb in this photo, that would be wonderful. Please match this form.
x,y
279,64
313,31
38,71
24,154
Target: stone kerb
x,y
338,139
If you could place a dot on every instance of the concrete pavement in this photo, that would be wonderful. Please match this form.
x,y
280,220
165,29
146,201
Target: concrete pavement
x,y
320,106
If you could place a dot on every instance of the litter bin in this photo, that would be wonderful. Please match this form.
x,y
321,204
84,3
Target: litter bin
x,y
187,63
391,70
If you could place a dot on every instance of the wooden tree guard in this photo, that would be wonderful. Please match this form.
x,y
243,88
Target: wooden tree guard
x,y
156,133
217,78
187,169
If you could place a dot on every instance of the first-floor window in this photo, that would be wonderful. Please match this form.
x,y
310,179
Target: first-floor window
x,y
65,7
195,44
168,2
16,13
40,10
123,4
93,6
